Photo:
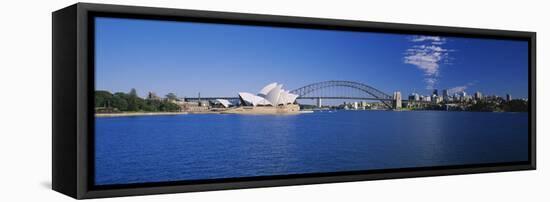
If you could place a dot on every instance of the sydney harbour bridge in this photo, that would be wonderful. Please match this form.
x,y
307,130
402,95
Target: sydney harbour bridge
x,y
334,90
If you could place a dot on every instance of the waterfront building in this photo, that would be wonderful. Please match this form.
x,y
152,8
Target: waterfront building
x,y
364,105
271,95
192,107
271,99
204,103
355,105
152,96
221,103
178,102
437,99
249,99
508,97
435,92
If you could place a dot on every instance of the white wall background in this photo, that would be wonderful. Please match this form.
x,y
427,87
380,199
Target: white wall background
x,y
25,99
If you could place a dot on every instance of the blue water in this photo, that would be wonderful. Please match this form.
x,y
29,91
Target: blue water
x,y
211,146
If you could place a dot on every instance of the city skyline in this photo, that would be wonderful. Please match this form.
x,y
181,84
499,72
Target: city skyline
x,y
222,60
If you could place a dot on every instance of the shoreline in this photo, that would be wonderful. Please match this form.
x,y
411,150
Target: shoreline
x,y
129,114
125,114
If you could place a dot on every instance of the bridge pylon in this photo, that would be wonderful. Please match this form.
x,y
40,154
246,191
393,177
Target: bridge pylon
x,y
397,100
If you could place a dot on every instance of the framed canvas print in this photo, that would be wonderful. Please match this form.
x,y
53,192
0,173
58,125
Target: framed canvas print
x,y
154,100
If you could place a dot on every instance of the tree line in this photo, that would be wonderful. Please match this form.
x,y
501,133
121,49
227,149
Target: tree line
x,y
106,101
502,106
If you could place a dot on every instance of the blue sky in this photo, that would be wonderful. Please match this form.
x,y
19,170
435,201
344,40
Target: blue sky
x,y
222,60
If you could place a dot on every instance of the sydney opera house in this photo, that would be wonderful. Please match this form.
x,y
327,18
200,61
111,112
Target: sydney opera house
x,y
271,99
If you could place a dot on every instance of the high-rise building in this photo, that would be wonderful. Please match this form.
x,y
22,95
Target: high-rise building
x,y
438,99
427,98
508,97
414,97
445,94
463,94
435,92
411,97
478,95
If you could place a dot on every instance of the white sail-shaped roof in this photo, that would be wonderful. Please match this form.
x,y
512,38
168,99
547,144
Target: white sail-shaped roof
x,y
287,98
224,102
282,97
254,100
291,98
266,89
273,94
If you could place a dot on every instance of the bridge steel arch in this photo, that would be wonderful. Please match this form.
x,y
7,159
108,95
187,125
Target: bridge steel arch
x,y
377,94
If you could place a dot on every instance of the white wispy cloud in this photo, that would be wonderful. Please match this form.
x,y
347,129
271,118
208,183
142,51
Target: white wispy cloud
x,y
458,89
428,55
430,82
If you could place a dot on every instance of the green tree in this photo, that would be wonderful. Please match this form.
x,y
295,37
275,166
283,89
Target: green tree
x,y
119,101
168,106
103,98
484,107
153,105
515,106
133,100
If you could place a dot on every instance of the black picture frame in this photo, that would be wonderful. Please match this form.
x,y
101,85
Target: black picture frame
x,y
73,88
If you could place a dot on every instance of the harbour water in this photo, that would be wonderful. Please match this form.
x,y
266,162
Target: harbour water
x,y
211,146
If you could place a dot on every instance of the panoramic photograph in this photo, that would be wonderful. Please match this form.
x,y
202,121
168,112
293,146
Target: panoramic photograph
x,y
185,101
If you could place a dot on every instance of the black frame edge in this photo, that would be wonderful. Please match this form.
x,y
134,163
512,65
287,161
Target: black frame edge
x,y
83,71
533,98
296,181
85,85
298,21
64,121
